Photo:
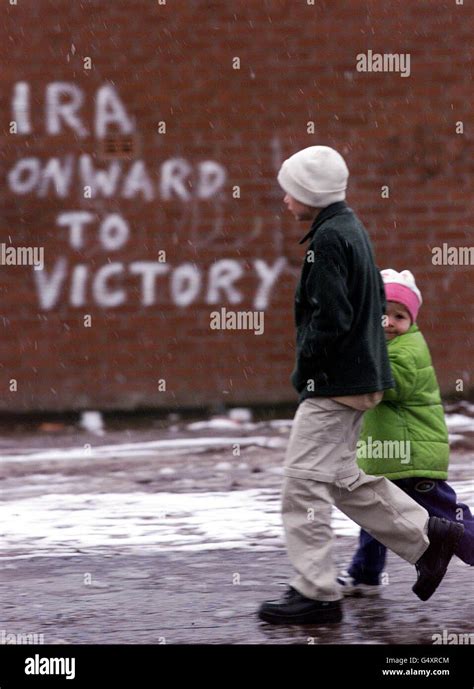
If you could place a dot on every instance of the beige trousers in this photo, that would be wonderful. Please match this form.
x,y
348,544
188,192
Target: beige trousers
x,y
321,471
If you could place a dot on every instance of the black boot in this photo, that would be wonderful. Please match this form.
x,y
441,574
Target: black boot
x,y
294,608
432,565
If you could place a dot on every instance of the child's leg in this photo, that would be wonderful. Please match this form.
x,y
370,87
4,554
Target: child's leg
x,y
368,561
440,500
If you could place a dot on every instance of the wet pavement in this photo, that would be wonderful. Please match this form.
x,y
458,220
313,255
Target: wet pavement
x,y
133,537
211,597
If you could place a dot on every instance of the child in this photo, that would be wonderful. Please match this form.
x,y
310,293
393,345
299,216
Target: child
x,y
411,414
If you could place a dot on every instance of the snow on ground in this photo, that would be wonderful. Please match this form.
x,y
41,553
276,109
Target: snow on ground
x,y
61,524
99,511
458,424
139,449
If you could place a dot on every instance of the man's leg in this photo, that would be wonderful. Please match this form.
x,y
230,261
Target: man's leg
x,y
314,452
313,455
385,512
306,512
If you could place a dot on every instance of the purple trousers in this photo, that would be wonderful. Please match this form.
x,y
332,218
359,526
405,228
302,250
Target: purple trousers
x,y
440,500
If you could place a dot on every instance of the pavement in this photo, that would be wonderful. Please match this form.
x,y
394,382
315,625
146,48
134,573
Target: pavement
x,y
132,542
211,597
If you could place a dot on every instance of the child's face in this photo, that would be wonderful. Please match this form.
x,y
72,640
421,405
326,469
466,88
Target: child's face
x,y
397,320
298,209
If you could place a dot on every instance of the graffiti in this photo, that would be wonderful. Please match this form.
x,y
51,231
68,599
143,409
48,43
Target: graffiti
x,y
63,101
199,187
177,178
185,283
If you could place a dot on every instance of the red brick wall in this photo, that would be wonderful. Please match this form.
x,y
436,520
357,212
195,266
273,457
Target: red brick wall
x,y
173,63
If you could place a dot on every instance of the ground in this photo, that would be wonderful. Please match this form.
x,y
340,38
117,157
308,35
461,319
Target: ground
x,y
171,533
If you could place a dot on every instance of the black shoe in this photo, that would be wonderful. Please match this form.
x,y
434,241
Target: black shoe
x,y
432,565
294,608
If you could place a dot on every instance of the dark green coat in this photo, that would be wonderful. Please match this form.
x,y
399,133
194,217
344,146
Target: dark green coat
x,y
339,304
412,411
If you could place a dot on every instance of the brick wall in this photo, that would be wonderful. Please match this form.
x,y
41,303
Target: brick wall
x,y
135,135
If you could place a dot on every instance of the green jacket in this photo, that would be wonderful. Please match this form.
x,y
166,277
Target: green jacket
x,y
406,435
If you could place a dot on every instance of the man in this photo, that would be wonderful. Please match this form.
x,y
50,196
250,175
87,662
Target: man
x,y
341,370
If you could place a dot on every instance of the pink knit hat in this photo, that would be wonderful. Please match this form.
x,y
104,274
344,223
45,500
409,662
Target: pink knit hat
x,y
401,287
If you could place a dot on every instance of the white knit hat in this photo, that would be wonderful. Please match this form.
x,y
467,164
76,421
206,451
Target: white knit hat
x,y
316,176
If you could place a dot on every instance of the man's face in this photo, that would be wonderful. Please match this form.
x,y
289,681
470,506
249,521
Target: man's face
x,y
398,320
299,210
